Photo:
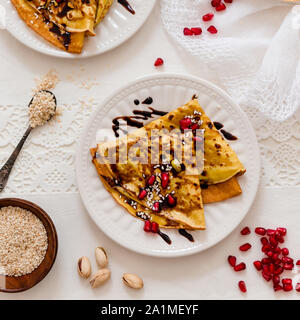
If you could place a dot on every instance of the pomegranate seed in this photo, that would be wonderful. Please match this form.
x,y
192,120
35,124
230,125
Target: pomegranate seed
x,y
276,280
273,242
156,207
266,276
288,266
278,287
154,227
265,261
221,7
171,200
264,240
164,179
285,251
212,30
208,16
277,250
297,287
271,268
282,231
187,32
278,271
245,247
158,62
228,1
298,263
270,254
257,265
185,123
286,281
242,286
147,226
288,287
232,260
151,180
271,232
142,194
287,260
260,231
195,126
239,267
265,248
280,239
196,31
245,231
215,3
275,257
266,268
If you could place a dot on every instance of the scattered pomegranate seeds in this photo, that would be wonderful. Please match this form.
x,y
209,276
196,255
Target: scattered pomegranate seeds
x,y
242,286
185,123
245,231
297,287
147,226
260,231
232,260
208,16
245,247
156,207
164,179
187,32
154,227
142,194
239,267
158,62
257,265
212,30
298,263
285,251
228,1
277,287
215,3
171,200
276,279
282,231
151,180
287,287
221,7
196,31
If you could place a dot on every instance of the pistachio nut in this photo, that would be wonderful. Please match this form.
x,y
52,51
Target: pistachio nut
x,y
100,277
84,267
101,257
133,281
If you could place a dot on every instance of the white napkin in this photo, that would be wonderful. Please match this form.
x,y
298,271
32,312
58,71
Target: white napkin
x,y
255,54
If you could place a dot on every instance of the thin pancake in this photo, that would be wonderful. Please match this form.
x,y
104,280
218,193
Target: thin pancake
x,y
36,21
102,9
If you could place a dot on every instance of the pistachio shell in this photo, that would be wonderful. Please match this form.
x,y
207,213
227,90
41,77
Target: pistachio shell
x,y
99,278
101,257
84,267
133,281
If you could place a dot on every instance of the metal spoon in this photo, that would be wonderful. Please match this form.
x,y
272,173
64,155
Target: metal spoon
x,y
6,169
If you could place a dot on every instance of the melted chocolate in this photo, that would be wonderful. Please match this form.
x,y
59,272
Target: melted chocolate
x,y
127,6
227,135
64,11
165,237
66,36
133,121
148,100
187,235
218,125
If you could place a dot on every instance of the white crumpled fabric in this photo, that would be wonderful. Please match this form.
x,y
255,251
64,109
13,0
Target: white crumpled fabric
x,y
255,54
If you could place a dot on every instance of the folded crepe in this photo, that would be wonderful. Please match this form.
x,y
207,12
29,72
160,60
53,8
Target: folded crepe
x,y
63,23
129,179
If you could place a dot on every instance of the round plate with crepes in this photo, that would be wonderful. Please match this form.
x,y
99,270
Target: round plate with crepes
x,y
75,28
168,204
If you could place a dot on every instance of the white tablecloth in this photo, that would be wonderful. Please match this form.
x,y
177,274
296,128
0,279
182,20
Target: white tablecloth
x,y
202,276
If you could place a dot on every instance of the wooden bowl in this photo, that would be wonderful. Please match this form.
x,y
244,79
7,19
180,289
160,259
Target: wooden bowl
x,y
22,283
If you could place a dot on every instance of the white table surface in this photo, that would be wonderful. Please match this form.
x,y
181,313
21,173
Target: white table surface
x,y
201,276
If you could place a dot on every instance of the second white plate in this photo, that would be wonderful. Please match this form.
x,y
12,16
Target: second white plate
x,y
168,93
117,27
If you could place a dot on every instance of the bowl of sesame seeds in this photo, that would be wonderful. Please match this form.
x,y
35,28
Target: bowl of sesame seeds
x,y
28,245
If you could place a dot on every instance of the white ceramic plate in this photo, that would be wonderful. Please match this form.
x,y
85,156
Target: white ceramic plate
x,y
117,27
168,91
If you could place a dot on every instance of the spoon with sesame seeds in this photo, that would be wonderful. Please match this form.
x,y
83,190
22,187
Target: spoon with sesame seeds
x,y
42,108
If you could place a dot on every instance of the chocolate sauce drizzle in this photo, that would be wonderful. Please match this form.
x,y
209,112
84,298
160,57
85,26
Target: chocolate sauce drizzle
x,y
127,6
227,135
165,237
218,125
187,235
133,121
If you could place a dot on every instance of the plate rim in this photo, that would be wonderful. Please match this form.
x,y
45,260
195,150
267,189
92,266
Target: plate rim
x,y
180,76
65,55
